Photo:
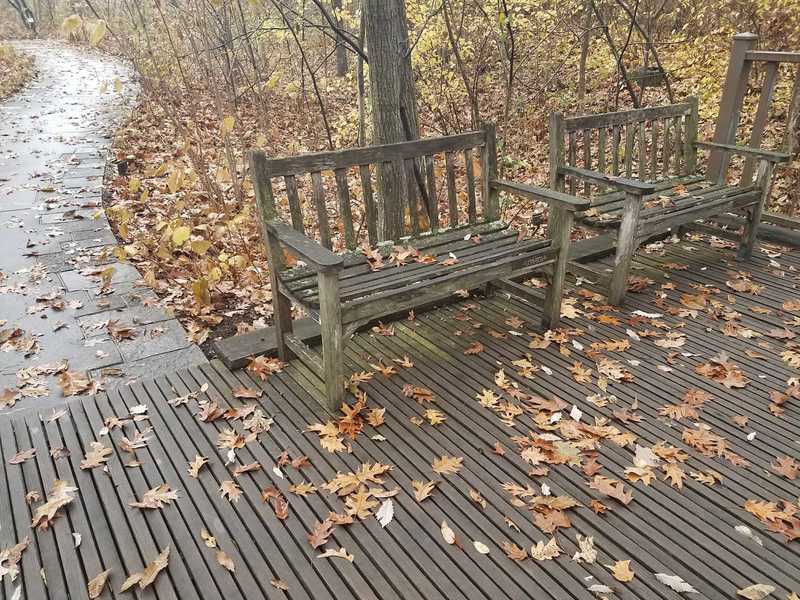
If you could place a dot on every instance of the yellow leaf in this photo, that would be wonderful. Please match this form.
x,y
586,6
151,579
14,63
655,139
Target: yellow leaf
x,y
71,23
201,292
621,570
227,124
134,184
200,247
180,235
98,32
117,85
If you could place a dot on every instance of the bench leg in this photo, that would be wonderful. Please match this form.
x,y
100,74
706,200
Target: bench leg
x,y
753,216
560,227
281,307
330,317
626,248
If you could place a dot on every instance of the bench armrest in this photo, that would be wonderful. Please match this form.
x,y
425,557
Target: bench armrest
x,y
310,251
768,155
621,183
539,193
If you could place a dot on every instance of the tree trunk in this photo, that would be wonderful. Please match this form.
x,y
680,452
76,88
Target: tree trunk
x,y
394,107
341,49
585,39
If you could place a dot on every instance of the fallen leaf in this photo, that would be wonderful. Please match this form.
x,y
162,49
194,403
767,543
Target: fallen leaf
x,y
226,561
621,570
97,584
481,547
676,583
385,513
149,573
21,456
340,553
447,465
320,533
448,534
757,591
548,551
423,490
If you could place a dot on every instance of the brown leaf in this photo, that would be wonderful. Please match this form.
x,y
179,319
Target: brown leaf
x,y
226,561
196,465
612,488
320,533
149,573
97,584
21,456
230,490
60,495
447,465
514,552
280,584
423,490
786,466
97,456
156,497
621,570
242,391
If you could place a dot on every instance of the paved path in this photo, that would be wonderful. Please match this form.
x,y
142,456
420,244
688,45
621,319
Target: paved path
x,y
55,239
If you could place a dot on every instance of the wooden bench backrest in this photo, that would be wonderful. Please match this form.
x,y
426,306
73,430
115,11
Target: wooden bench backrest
x,y
410,170
749,68
645,143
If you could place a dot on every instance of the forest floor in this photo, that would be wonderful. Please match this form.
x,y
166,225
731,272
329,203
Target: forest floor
x,y
69,307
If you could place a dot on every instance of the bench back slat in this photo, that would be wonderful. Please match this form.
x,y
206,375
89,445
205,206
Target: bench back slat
x,y
406,172
646,143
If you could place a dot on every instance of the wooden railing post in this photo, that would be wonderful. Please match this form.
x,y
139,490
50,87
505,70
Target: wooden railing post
x,y
731,103
556,151
489,194
690,137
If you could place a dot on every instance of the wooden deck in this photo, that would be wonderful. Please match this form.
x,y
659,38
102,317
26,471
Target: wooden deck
x,y
689,532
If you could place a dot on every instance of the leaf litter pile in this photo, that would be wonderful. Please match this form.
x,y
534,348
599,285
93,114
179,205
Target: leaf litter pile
x,y
577,460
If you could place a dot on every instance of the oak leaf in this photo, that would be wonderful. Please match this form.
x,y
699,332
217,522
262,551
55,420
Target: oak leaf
x,y
149,573
423,490
548,551
97,583
230,490
97,456
621,570
447,465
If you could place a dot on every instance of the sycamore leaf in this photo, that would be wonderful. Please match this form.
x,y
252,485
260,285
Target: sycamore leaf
x,y
149,573
757,591
676,583
621,570
96,585
447,465
423,490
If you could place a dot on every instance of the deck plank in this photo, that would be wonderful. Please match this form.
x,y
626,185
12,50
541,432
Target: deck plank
x,y
689,532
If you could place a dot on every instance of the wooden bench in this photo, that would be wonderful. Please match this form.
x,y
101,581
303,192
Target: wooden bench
x,y
343,291
639,169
